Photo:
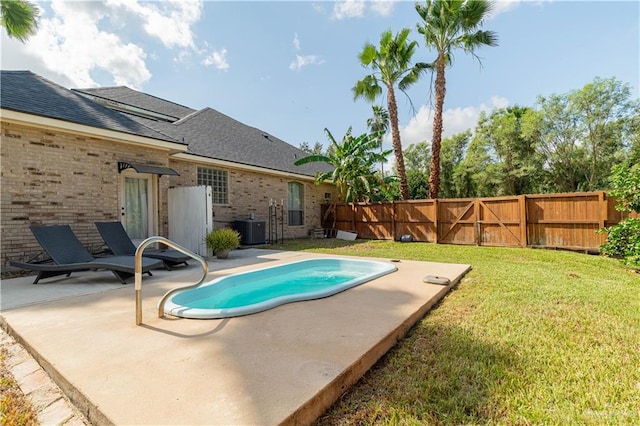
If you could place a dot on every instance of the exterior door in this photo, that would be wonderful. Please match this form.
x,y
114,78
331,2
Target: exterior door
x,y
138,205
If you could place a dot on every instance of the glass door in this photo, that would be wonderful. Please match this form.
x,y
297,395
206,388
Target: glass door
x,y
138,206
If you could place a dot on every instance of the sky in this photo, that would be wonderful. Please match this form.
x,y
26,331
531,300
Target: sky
x,y
288,68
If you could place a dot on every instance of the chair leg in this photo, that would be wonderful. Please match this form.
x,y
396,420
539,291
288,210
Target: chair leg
x,y
122,276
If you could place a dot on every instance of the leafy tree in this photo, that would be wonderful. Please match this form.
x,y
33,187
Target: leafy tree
x,y
379,124
391,66
317,148
604,112
448,25
478,176
19,18
507,136
585,131
452,155
353,160
417,157
418,184
565,159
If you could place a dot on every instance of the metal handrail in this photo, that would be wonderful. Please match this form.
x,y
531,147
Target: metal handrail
x,y
138,274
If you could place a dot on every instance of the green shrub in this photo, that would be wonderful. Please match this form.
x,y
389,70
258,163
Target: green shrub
x,y
222,239
623,240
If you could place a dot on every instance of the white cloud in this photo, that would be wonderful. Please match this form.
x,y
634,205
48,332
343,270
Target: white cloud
x,y
168,21
217,58
296,42
503,6
454,121
77,41
303,61
348,9
71,44
382,7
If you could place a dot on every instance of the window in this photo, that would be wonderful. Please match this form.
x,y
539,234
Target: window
x,y
296,204
218,181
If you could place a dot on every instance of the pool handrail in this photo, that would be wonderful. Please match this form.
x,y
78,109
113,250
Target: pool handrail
x,y
138,273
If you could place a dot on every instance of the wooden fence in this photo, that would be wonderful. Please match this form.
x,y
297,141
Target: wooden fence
x,y
568,221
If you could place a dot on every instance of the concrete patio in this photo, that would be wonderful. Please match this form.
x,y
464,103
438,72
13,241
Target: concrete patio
x,y
282,366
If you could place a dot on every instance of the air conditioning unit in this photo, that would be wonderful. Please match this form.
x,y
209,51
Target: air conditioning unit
x,y
251,231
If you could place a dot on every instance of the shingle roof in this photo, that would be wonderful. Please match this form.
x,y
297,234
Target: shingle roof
x,y
207,132
24,91
212,134
137,99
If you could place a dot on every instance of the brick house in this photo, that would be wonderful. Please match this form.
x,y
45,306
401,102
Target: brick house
x,y
76,157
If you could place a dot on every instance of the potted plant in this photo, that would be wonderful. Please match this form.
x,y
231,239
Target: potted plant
x,y
221,240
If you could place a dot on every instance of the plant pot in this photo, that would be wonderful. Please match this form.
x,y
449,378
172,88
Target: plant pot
x,y
222,253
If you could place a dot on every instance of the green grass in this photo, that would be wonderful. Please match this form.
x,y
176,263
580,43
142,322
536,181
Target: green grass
x,y
528,337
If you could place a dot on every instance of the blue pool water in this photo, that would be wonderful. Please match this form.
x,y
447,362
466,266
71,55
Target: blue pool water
x,y
255,291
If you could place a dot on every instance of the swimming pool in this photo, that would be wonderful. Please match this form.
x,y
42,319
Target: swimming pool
x,y
256,291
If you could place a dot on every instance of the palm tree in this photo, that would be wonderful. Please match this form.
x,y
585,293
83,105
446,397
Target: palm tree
x,y
352,161
449,25
391,66
379,124
19,18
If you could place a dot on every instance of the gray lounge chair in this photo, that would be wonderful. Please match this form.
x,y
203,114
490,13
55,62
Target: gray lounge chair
x,y
69,255
120,244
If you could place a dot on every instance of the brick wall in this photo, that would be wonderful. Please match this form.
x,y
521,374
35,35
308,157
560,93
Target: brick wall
x,y
250,192
52,177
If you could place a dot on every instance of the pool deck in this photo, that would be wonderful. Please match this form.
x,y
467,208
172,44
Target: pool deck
x,y
282,366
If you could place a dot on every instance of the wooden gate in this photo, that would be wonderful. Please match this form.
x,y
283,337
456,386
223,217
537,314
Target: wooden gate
x,y
456,221
497,221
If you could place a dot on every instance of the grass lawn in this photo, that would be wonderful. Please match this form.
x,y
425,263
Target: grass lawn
x,y
528,337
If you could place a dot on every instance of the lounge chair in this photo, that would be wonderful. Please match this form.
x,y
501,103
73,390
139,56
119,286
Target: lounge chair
x,y
120,244
69,255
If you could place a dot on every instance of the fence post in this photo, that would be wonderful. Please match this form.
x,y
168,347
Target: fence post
x,y
523,221
436,208
604,211
353,217
393,220
477,227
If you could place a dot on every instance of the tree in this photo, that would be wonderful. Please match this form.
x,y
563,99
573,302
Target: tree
x,y
476,175
583,132
317,148
508,136
379,124
417,157
416,161
605,114
452,155
353,160
390,65
19,18
449,25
